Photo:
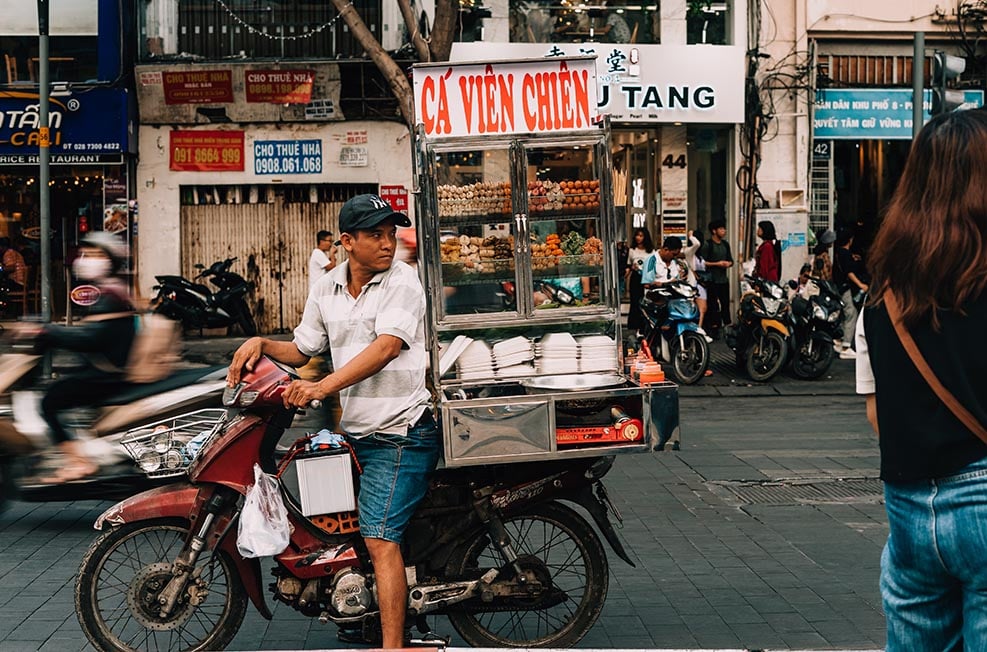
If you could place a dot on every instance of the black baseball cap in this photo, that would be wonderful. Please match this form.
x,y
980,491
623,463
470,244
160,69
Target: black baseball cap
x,y
366,212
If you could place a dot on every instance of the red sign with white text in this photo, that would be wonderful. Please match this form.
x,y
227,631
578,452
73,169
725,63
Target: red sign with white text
x,y
206,151
553,94
279,86
198,87
396,196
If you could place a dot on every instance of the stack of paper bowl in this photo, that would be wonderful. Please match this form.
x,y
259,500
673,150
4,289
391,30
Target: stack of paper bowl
x,y
476,362
597,353
557,353
513,357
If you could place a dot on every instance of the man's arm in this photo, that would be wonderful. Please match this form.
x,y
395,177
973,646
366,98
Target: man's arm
x,y
856,281
372,359
872,413
250,352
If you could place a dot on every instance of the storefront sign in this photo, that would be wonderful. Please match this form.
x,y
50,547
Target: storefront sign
x,y
500,98
353,157
88,127
645,83
396,196
198,87
871,113
279,86
206,151
84,295
287,156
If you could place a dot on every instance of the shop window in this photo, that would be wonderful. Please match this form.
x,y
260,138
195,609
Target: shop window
x,y
603,21
706,22
250,29
70,59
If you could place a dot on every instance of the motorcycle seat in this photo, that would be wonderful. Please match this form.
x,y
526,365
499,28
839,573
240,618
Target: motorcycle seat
x,y
179,379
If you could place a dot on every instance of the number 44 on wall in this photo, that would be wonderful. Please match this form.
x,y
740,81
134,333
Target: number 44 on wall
x,y
671,161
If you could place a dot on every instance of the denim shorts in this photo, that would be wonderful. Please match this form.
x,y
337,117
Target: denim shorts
x,y
395,477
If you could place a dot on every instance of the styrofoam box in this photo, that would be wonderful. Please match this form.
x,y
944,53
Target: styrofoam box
x,y
325,484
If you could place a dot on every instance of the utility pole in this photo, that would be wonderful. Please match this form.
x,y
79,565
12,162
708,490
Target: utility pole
x,y
918,84
44,160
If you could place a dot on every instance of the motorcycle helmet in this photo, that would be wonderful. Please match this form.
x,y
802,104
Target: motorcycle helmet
x,y
109,244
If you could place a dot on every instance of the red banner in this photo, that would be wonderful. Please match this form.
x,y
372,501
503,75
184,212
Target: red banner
x,y
396,196
279,86
206,151
198,87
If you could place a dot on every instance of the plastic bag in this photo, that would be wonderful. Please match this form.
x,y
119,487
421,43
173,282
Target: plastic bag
x,y
263,530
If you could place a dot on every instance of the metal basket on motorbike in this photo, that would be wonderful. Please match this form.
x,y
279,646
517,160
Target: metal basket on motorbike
x,y
167,447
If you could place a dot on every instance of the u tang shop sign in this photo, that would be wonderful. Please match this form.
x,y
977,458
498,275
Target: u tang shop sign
x,y
85,128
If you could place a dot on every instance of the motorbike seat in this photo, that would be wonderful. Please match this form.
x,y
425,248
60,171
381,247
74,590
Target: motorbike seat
x,y
179,379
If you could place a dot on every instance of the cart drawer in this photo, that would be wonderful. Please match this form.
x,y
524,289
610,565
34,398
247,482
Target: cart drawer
x,y
490,431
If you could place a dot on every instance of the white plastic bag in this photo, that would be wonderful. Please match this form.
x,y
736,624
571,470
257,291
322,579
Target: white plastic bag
x,y
263,529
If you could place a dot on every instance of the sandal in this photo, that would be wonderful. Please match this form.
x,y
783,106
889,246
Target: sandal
x,y
74,467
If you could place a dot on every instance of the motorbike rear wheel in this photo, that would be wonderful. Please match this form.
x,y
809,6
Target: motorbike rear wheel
x,y
810,365
557,546
690,360
121,577
766,357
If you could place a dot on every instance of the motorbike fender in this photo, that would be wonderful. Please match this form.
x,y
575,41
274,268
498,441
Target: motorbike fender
x,y
822,336
179,501
588,501
684,326
775,325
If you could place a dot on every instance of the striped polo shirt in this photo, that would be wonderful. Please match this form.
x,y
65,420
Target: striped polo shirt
x,y
392,303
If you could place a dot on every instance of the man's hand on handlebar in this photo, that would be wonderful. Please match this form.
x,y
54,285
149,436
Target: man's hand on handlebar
x,y
303,393
245,358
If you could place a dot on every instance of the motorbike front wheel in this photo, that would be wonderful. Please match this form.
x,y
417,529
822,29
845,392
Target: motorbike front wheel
x,y
690,357
124,572
811,362
245,320
560,549
766,357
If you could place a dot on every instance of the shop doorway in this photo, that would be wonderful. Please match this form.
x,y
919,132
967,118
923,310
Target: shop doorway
x,y
271,231
865,175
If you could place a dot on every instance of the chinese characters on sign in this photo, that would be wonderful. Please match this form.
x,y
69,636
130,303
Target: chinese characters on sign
x,y
193,87
206,151
279,86
287,156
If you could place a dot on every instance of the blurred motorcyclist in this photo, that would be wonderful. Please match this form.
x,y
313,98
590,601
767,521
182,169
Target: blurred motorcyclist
x,y
103,339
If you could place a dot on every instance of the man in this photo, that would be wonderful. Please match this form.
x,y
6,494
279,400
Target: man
x,y
849,276
13,265
663,265
716,253
323,258
370,314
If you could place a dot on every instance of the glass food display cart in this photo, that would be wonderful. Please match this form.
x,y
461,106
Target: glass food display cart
x,y
516,241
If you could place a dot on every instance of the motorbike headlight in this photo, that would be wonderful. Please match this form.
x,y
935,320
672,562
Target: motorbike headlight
x,y
775,291
818,312
238,397
771,305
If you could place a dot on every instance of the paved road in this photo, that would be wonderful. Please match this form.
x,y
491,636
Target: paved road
x,y
764,531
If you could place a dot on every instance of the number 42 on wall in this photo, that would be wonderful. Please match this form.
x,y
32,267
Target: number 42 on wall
x,y
671,161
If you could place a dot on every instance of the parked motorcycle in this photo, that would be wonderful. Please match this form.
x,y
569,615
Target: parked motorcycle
x,y
671,329
198,307
817,320
138,436
759,339
491,548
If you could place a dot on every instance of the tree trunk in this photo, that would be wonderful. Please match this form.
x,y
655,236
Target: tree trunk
x,y
411,21
444,29
396,78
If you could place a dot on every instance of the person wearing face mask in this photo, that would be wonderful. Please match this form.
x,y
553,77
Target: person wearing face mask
x,y
103,339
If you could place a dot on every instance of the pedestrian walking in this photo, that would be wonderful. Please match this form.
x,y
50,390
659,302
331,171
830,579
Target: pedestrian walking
x,y
929,275
716,252
369,315
640,251
850,277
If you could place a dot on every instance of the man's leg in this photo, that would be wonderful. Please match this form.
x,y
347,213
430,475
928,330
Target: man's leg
x,y
392,590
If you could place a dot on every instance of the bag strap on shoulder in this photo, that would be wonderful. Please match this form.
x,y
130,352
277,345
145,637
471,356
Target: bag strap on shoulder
x,y
960,412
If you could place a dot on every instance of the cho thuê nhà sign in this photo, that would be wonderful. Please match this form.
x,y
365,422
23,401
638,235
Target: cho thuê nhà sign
x,y
206,151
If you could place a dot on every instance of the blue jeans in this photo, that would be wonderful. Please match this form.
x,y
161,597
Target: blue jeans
x,y
395,477
934,566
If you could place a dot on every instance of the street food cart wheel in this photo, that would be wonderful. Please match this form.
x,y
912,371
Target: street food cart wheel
x,y
557,549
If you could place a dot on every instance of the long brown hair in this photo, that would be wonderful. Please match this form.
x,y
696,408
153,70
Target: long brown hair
x,y
932,247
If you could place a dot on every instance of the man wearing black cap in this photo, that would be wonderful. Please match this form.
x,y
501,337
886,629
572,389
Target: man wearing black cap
x,y
369,315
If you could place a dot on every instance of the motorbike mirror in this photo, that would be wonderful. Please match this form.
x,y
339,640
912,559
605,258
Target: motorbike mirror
x,y
199,266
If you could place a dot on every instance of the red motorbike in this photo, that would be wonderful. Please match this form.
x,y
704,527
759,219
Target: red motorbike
x,y
490,547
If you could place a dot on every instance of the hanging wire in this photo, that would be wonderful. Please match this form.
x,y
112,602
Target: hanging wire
x,y
263,32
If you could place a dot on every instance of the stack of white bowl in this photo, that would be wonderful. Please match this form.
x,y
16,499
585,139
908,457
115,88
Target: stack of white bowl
x,y
557,353
476,362
597,353
513,357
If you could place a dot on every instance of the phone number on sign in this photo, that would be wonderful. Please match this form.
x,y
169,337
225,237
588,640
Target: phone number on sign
x,y
299,165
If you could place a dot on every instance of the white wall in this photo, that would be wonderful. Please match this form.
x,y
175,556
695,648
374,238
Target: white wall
x,y
159,238
875,16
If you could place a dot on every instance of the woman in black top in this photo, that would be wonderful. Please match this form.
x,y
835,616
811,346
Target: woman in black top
x,y
931,252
